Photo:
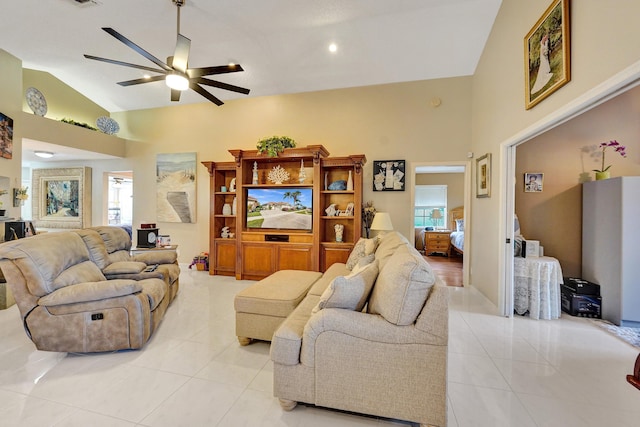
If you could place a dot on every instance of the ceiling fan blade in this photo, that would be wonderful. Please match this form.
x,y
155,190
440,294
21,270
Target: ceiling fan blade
x,y
175,94
196,87
126,64
221,85
142,80
181,55
220,69
137,48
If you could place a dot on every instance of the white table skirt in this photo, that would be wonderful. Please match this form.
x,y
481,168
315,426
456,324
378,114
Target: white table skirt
x,y
536,287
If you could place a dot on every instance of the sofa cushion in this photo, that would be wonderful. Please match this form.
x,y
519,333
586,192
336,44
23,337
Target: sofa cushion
x,y
85,271
90,291
95,245
361,249
124,267
335,270
402,287
389,243
349,292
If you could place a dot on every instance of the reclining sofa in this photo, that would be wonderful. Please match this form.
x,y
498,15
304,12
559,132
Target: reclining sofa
x,y
71,300
387,359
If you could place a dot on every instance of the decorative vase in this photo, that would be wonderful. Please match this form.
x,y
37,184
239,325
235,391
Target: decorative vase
x,y
226,209
350,182
603,175
302,175
254,178
234,206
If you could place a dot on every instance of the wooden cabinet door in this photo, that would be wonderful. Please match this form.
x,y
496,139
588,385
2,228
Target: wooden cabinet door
x,y
331,255
224,257
258,260
295,257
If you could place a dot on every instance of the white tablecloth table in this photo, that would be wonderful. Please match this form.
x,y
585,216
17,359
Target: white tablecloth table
x,y
536,287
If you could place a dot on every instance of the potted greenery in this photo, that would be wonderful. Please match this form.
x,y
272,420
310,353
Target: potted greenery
x,y
274,145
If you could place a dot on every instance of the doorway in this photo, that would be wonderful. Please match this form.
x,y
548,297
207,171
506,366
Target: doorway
x,y
119,203
439,173
616,85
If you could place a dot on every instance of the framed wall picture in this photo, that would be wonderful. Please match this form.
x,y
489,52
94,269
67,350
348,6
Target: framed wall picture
x,y
62,197
547,54
176,187
533,182
388,175
6,137
483,176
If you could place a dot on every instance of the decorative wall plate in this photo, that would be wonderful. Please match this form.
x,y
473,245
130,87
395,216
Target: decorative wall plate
x,y
36,101
107,125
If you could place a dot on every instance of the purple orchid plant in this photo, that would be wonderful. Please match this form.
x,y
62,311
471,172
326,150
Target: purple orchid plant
x,y
617,147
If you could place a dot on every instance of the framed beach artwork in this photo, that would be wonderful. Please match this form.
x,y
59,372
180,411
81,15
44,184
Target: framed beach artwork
x,y
483,176
176,187
547,54
62,197
6,137
388,175
533,182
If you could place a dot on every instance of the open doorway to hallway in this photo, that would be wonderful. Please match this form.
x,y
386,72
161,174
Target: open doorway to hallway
x,y
119,203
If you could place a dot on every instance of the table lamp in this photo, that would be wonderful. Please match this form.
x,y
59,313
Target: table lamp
x,y
382,222
436,214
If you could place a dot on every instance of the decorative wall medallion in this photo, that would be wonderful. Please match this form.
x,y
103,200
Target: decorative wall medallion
x,y
36,101
107,125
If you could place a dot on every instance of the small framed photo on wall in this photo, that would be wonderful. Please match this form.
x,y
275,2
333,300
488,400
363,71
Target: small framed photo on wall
x,y
483,176
388,175
533,182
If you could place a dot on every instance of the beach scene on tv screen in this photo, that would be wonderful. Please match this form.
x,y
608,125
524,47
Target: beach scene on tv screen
x,y
279,208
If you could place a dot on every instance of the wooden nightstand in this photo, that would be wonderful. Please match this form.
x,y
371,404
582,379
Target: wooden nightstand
x,y
437,242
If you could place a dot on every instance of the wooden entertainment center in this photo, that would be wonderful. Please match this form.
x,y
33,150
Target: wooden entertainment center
x,y
252,252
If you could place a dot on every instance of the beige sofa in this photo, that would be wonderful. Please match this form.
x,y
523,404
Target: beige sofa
x,y
388,360
66,302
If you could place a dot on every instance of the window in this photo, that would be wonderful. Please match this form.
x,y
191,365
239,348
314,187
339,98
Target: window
x,y
430,199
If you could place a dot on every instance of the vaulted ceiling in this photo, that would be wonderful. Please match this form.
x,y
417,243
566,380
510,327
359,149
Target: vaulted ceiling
x,y
281,44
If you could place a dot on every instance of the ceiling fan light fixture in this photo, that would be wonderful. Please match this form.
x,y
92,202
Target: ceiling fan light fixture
x,y
43,154
177,81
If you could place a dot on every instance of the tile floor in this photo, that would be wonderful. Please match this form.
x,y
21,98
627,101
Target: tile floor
x,y
502,372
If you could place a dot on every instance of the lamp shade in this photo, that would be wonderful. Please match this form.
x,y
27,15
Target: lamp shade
x,y
382,222
436,214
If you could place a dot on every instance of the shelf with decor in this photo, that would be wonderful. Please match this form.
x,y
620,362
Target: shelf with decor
x,y
222,250
280,221
341,202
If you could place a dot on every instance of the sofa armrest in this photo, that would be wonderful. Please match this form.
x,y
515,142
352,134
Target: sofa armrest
x,y
90,291
365,326
156,257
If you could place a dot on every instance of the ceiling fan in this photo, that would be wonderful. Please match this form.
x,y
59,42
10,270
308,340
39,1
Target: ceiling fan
x,y
176,72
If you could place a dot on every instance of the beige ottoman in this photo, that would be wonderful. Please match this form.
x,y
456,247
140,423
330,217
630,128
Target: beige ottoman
x,y
262,307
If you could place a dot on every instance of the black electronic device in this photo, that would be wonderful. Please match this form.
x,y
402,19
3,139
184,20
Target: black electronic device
x,y
14,230
276,237
581,286
147,237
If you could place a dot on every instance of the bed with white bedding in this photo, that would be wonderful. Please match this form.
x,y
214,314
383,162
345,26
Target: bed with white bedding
x,y
456,219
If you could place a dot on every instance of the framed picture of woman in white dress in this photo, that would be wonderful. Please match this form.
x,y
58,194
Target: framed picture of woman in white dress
x,y
547,54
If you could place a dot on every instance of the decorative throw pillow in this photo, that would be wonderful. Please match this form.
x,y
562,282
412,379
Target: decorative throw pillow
x,y
349,292
362,248
459,224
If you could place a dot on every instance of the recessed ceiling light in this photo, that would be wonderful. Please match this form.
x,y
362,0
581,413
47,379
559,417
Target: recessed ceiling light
x,y
43,154
333,48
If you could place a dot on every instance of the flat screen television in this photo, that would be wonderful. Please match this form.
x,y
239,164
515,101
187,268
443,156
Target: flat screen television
x,y
282,208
